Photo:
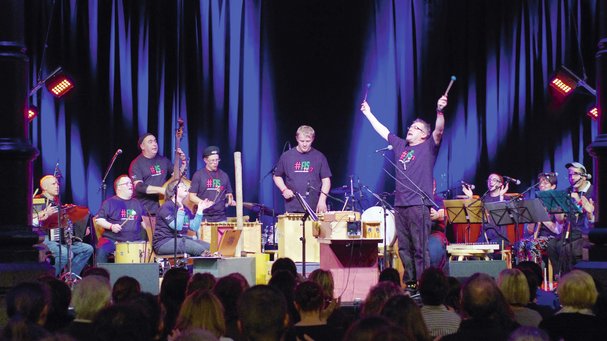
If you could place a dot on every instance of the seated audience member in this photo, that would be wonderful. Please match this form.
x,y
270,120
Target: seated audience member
x,y
486,315
174,215
228,290
58,316
452,301
202,310
199,280
285,264
122,322
377,296
284,282
27,306
171,296
526,333
148,303
390,275
433,288
121,218
376,328
324,278
96,271
309,302
195,334
575,321
514,287
402,311
262,313
90,295
125,288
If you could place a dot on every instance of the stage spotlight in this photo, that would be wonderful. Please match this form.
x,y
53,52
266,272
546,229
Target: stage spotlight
x,y
564,81
593,113
32,112
59,84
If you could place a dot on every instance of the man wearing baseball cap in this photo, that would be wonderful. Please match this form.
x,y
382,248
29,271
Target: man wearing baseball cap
x,y
214,184
149,172
565,254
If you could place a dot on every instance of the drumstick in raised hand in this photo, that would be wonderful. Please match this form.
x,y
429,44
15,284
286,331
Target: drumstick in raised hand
x,y
449,86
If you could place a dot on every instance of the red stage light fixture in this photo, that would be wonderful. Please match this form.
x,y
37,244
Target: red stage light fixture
x,y
59,84
32,112
593,113
563,82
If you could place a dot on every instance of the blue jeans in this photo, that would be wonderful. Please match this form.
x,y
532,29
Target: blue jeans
x,y
82,253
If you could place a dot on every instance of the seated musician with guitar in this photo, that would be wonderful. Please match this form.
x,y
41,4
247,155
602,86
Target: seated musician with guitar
x,y
121,217
45,216
173,216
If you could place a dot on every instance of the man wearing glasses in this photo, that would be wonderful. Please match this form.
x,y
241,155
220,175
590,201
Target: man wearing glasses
x,y
415,157
213,184
121,218
565,253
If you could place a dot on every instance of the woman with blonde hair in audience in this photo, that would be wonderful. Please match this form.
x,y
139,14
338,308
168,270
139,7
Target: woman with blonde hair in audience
x,y
575,321
513,285
201,309
90,296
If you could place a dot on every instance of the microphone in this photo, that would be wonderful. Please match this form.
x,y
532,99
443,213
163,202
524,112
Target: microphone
x,y
118,152
471,186
388,147
513,180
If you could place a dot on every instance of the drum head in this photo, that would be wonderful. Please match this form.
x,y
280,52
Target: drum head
x,y
376,214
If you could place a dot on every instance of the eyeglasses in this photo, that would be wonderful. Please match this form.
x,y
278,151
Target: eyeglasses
x,y
214,161
125,183
576,173
415,127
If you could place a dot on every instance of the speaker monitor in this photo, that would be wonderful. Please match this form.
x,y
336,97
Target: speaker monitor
x,y
147,274
598,271
464,269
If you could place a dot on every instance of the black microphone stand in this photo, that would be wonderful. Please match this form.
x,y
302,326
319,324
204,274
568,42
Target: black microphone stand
x,y
175,234
58,176
103,186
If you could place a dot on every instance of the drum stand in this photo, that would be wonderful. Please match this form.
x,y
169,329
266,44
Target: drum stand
x,y
69,277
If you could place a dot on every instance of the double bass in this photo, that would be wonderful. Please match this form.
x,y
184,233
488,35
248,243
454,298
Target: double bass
x,y
177,172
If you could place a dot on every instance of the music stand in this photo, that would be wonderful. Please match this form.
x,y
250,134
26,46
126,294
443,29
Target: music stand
x,y
308,213
558,202
516,212
466,211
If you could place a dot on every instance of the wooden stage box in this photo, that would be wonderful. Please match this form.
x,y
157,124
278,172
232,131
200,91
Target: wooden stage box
x,y
353,263
289,232
251,235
